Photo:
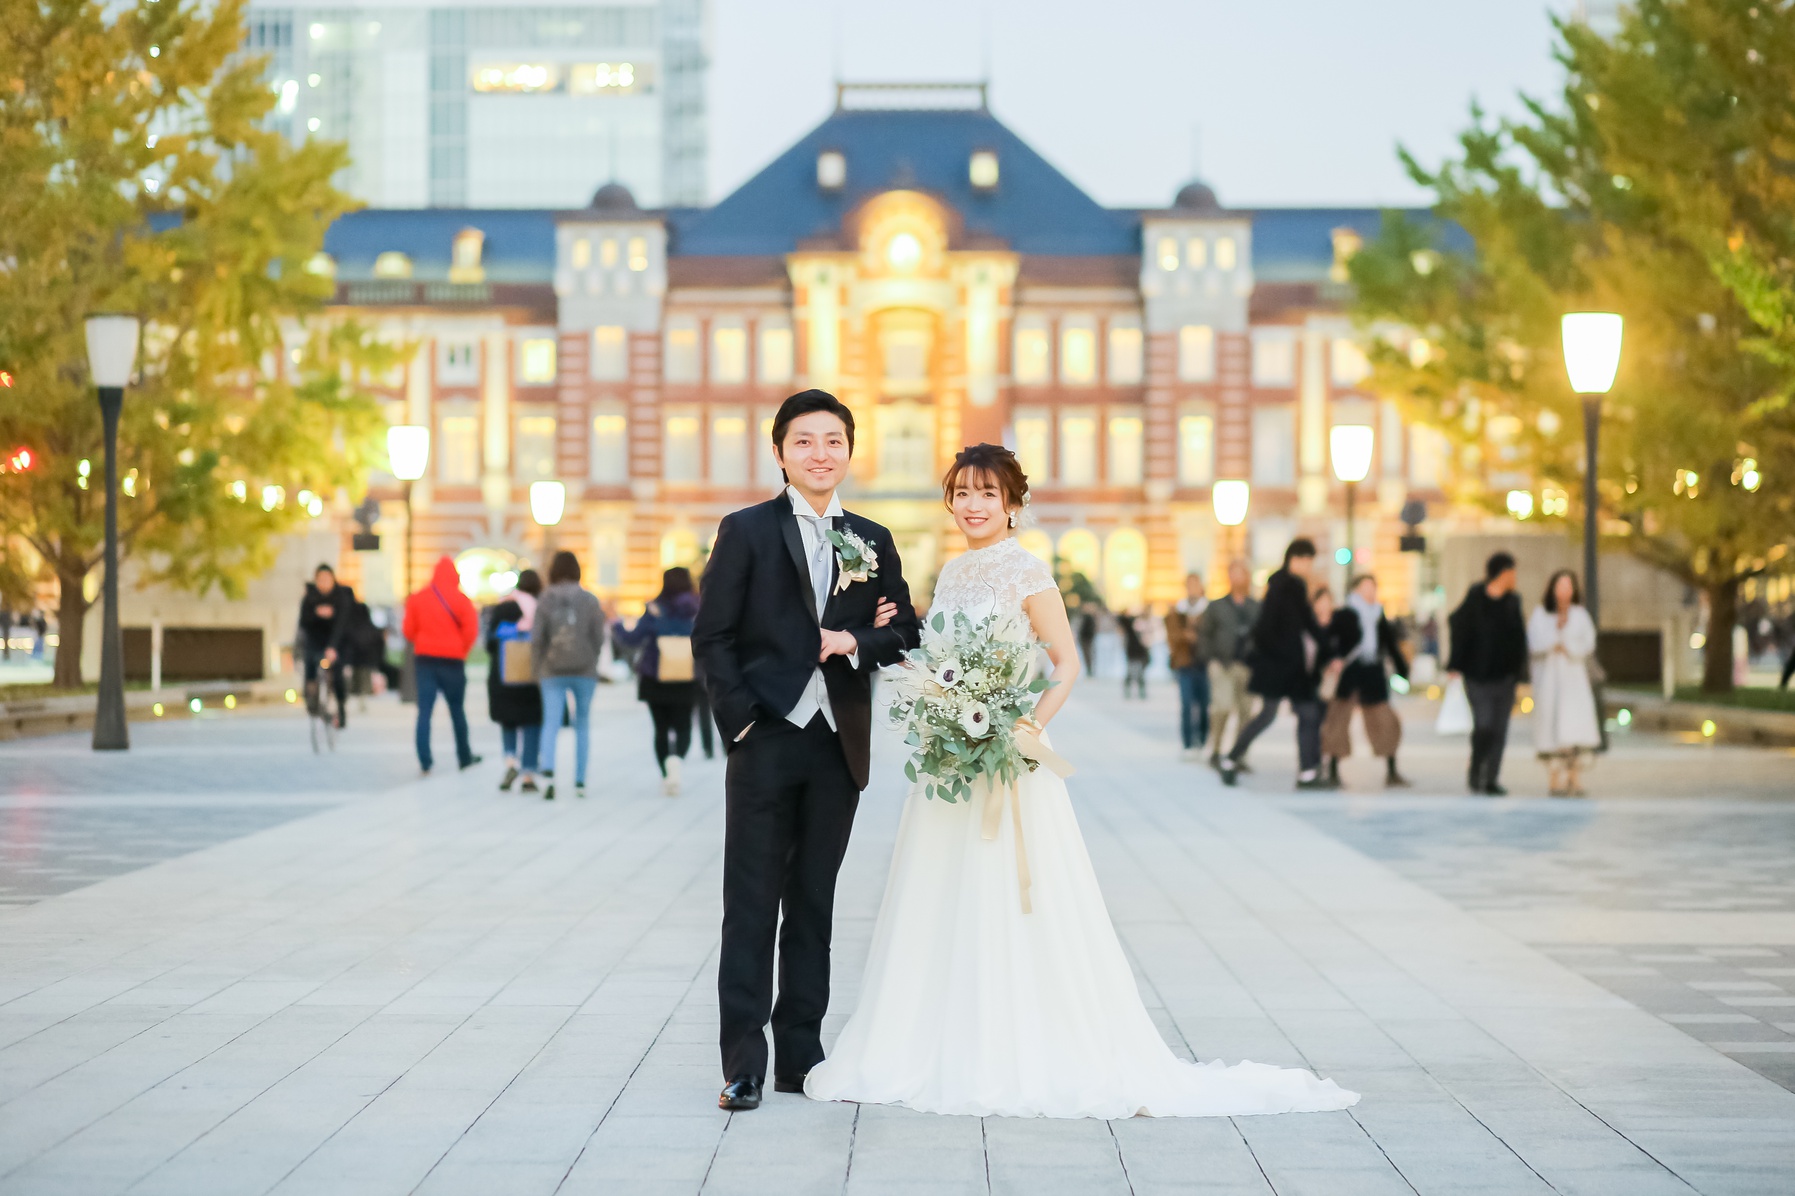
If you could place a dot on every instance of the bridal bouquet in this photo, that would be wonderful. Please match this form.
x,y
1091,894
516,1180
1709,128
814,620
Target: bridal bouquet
x,y
958,699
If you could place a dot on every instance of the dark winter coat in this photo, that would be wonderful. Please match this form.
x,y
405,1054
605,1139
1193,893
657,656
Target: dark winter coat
x,y
1364,679
1281,666
321,631
1489,637
676,618
509,705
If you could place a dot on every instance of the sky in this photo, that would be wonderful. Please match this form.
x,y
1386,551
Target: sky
x,y
1271,101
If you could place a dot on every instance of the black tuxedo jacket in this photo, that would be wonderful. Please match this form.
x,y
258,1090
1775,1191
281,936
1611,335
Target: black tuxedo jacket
x,y
757,637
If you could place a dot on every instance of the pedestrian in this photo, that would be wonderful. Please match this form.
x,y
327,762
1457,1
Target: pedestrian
x,y
1184,648
1135,655
1489,652
364,646
515,704
5,632
323,633
1366,639
565,643
1286,651
1087,637
441,625
665,679
1226,635
40,634
1561,637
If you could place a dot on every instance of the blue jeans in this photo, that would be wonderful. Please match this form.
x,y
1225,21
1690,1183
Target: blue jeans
x,y
532,739
1193,705
554,703
449,677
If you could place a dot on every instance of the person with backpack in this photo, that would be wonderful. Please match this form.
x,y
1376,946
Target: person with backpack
x,y
664,674
441,625
512,696
565,640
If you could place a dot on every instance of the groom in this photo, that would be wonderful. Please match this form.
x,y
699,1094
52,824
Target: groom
x,y
788,654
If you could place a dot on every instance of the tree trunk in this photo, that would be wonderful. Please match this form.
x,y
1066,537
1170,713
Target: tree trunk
x,y
71,616
1717,653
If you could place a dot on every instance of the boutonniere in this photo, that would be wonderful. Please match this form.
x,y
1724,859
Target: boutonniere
x,y
856,557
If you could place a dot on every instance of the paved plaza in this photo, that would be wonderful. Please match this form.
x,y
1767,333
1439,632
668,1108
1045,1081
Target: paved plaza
x,y
230,966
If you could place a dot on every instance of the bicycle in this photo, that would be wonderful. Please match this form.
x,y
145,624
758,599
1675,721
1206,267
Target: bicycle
x,y
322,722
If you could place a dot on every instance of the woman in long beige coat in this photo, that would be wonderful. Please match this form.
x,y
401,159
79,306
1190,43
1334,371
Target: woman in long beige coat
x,y
1562,638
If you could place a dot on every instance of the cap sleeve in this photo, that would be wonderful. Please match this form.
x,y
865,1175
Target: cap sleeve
x,y
1035,577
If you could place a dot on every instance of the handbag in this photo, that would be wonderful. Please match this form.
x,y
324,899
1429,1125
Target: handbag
x,y
675,658
1455,710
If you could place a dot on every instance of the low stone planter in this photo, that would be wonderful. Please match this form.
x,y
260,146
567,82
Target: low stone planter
x,y
23,718
1730,724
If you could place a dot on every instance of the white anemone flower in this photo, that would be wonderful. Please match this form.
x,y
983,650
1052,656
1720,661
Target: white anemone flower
x,y
947,675
975,719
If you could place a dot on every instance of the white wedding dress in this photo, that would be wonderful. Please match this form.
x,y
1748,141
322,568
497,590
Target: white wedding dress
x,y
969,1005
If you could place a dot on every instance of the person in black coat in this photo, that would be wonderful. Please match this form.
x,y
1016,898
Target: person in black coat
x,y
1489,651
669,699
516,708
323,628
1364,638
1286,653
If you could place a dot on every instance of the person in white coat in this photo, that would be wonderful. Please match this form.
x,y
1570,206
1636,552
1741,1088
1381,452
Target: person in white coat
x,y
1561,637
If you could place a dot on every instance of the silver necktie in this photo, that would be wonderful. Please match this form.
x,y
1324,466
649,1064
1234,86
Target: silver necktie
x,y
819,560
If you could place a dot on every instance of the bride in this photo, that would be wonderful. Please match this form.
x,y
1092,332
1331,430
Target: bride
x,y
971,1005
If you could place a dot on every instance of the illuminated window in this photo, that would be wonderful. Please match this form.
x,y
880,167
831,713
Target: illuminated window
x,y
610,443
1196,353
768,464
729,446
1078,448
392,264
457,363
1196,253
903,253
831,170
610,353
906,444
607,252
1032,354
1196,446
1080,552
682,352
1274,357
906,365
638,254
982,169
1429,454
1349,364
517,78
464,259
1127,444
1224,253
729,355
536,360
775,364
680,450
1168,253
607,78
1274,444
582,253
1034,450
533,454
1124,568
1078,353
1125,355
458,461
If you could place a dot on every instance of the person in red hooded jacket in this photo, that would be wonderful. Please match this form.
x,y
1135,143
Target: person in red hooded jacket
x,y
441,625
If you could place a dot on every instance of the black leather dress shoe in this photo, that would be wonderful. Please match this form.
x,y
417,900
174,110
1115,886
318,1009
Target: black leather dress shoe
x,y
740,1094
790,1083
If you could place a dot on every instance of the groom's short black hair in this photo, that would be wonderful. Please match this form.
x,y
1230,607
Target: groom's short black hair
x,y
803,403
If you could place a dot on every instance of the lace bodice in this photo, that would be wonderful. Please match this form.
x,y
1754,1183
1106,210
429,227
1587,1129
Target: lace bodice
x,y
991,580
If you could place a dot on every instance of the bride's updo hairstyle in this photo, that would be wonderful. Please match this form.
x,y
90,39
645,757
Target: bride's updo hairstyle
x,y
987,465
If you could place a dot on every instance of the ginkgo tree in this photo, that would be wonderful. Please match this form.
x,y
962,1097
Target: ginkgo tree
x,y
137,174
1649,187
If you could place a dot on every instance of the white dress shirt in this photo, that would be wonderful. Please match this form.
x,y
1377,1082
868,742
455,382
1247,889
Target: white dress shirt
x,y
821,556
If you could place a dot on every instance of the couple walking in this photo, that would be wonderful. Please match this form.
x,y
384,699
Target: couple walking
x,y
969,1004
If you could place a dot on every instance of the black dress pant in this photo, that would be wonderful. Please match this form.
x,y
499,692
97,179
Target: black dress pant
x,y
1491,704
790,804
672,730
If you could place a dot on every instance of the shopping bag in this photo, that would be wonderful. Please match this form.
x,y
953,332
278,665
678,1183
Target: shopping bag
x,y
675,658
515,666
1455,710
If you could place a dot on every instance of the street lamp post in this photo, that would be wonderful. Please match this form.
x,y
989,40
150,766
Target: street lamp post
x,y
1591,357
1230,497
408,452
548,502
111,353
1350,446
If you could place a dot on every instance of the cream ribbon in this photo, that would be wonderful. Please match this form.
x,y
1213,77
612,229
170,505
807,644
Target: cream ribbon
x,y
997,797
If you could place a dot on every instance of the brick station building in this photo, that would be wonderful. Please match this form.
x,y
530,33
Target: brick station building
x,y
951,286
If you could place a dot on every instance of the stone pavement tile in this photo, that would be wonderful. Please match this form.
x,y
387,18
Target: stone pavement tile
x,y
1437,1145
44,1053
1028,1156
1182,1154
627,1152
899,1152
790,1144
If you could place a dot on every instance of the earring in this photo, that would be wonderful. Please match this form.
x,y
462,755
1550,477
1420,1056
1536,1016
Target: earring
x,y
1012,519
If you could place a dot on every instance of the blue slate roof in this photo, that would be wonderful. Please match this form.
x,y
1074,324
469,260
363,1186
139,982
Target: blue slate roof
x,y
1297,244
519,247
1034,208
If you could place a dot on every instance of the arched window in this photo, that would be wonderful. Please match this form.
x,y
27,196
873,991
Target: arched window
x,y
1080,554
1125,569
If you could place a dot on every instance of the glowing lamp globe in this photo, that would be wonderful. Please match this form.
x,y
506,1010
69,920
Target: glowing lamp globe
x,y
1230,499
1351,448
408,449
548,501
111,349
1591,350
